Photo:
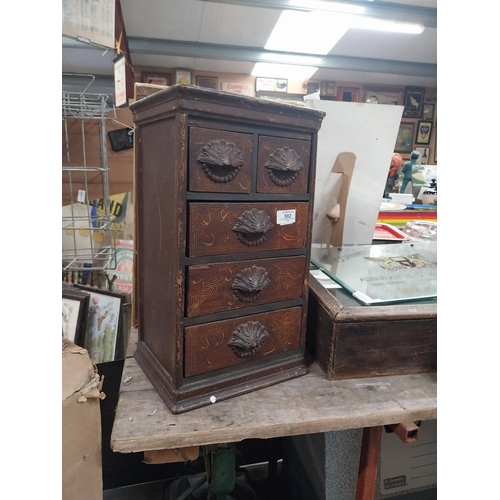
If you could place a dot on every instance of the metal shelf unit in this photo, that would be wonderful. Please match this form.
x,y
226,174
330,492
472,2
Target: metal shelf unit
x,y
88,235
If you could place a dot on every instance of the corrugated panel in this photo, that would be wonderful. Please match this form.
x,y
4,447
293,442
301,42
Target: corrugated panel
x,y
170,19
88,61
395,46
237,25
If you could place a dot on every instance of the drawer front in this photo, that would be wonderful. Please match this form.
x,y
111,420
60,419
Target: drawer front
x,y
223,344
222,228
283,165
234,285
219,161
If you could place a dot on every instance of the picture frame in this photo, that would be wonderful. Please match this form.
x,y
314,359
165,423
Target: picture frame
x,y
75,305
404,140
104,323
271,84
435,147
413,102
383,95
209,82
183,77
428,112
312,87
327,88
424,131
425,154
156,78
347,94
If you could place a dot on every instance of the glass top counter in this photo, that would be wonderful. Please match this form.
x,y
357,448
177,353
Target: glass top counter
x,y
381,274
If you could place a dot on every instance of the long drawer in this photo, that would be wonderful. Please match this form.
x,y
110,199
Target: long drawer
x,y
223,228
234,285
228,343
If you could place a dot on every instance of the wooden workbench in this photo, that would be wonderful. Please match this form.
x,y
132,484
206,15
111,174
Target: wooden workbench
x,y
305,405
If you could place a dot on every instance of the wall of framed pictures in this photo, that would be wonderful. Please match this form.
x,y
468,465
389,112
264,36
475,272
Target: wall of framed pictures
x,y
418,125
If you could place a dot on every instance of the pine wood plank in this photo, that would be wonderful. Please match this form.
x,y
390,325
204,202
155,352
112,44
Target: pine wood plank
x,y
313,404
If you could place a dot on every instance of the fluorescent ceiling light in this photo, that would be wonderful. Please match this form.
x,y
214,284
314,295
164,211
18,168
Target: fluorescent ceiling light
x,y
292,72
318,32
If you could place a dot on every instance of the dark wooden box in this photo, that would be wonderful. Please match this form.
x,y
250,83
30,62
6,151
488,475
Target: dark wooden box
x,y
350,340
224,187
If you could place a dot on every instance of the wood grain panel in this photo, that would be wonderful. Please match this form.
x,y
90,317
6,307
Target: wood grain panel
x,y
297,150
211,228
233,148
210,287
207,346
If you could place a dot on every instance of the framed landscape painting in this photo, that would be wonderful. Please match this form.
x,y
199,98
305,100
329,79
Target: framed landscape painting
x,y
104,319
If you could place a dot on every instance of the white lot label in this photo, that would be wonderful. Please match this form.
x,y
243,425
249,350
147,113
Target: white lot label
x,y
284,217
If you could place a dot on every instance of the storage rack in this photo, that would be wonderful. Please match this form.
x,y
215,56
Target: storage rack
x,y
88,237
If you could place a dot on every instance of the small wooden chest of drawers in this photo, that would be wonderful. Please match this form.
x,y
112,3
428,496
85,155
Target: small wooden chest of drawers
x,y
224,187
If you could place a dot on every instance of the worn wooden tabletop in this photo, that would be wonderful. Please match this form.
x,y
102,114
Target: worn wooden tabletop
x,y
305,405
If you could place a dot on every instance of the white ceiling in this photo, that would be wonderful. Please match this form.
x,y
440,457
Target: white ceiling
x,y
217,37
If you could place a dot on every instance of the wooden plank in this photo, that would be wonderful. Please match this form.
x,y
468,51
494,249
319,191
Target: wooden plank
x,y
169,456
313,404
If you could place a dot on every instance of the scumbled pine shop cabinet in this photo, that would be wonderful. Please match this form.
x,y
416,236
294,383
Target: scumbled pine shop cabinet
x,y
225,189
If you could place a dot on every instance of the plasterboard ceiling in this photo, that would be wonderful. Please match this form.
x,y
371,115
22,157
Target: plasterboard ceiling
x,y
190,33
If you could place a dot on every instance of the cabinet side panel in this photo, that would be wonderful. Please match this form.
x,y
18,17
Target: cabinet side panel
x,y
160,241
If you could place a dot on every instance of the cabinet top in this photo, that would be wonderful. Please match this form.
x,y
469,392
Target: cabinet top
x,y
202,101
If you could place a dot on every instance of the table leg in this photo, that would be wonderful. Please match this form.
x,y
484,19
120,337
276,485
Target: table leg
x,y
368,463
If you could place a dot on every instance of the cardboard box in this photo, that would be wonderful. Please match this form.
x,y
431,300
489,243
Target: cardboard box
x,y
81,425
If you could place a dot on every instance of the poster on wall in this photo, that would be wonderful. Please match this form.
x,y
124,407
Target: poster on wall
x,y
89,21
237,88
120,81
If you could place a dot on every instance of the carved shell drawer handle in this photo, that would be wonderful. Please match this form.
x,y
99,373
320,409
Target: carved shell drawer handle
x,y
284,166
252,227
250,282
248,339
220,160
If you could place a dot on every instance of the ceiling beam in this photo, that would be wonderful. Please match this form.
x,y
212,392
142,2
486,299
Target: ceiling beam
x,y
383,10
178,48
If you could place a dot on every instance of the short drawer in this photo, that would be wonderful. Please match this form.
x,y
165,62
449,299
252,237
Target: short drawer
x,y
234,285
222,228
224,344
283,165
219,161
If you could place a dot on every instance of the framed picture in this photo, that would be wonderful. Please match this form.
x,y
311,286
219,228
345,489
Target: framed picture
x,y
104,318
312,87
428,112
404,141
75,305
155,79
383,95
271,84
327,88
210,82
424,130
435,147
424,155
183,77
413,102
347,94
